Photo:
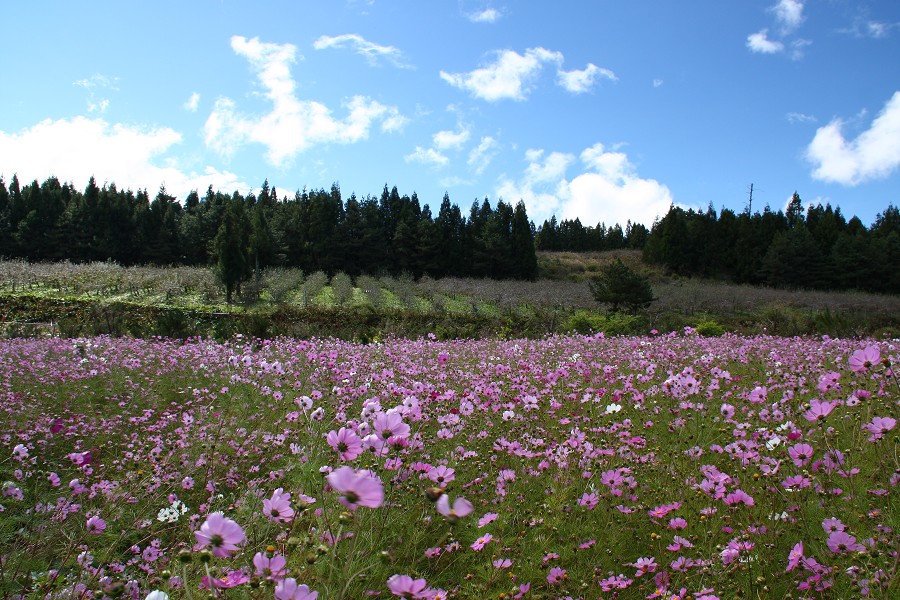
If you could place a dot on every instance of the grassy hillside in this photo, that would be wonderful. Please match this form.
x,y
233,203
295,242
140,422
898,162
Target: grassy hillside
x,y
69,299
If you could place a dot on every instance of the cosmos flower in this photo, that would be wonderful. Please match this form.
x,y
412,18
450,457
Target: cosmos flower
x,y
278,507
346,443
221,534
405,586
863,360
358,488
289,589
461,508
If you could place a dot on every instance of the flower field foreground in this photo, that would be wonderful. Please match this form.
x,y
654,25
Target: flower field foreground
x,y
671,466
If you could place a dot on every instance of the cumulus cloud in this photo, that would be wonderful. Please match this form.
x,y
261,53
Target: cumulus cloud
x,y
370,50
789,14
874,154
192,103
608,188
482,154
445,140
427,156
760,43
488,15
512,76
582,81
293,125
131,157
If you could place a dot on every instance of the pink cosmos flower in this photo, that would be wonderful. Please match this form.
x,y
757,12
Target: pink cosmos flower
x,y
221,534
405,586
461,508
556,575
278,507
487,518
346,443
831,525
358,488
96,525
840,542
388,425
739,497
879,426
288,589
863,360
482,542
795,556
442,475
818,410
801,454
645,565
232,579
270,568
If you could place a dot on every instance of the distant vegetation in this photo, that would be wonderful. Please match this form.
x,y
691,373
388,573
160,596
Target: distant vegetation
x,y
312,230
85,299
811,248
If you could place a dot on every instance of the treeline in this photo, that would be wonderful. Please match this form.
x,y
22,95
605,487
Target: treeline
x,y
816,248
570,235
313,230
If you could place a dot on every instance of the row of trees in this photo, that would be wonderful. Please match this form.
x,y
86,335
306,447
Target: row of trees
x,y
570,235
813,248
313,230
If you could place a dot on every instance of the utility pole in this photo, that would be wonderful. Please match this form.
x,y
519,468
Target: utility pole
x,y
750,206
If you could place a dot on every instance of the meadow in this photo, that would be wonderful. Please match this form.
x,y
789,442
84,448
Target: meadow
x,y
669,465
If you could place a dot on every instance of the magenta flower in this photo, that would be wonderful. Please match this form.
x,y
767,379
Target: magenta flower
x,y
346,443
556,575
405,586
96,525
801,454
232,579
441,475
461,508
358,488
388,425
840,542
288,589
278,508
482,542
879,426
739,496
221,534
863,360
795,556
818,410
273,569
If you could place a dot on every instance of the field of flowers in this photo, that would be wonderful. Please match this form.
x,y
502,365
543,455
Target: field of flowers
x,y
666,466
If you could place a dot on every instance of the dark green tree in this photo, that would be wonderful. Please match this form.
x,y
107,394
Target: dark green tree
x,y
230,244
619,286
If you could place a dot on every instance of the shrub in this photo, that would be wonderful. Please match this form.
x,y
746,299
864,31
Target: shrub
x,y
709,328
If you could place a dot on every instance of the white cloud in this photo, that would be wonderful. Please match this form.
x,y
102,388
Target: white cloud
x,y
427,156
510,77
293,125
482,155
874,154
445,140
760,43
789,14
657,83
192,103
488,15
607,190
370,50
131,157
94,85
579,82
796,117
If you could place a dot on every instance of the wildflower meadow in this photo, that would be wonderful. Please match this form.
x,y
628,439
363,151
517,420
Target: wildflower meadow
x,y
665,466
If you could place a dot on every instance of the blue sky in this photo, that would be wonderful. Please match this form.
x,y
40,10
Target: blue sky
x,y
603,110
